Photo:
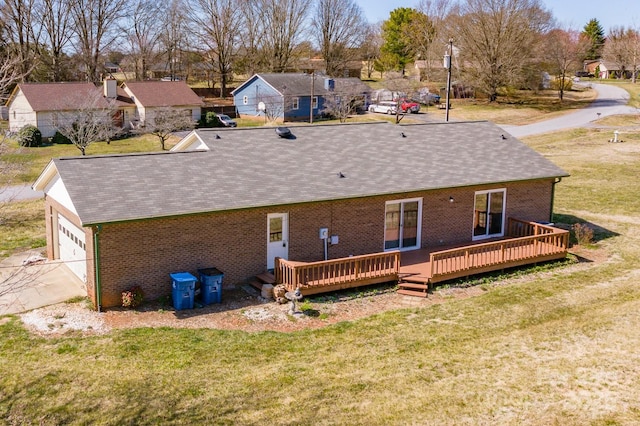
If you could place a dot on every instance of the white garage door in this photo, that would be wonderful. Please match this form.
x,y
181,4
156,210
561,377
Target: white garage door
x,y
72,248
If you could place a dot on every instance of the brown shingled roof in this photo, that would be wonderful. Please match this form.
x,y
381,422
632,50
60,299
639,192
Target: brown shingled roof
x,y
163,93
57,96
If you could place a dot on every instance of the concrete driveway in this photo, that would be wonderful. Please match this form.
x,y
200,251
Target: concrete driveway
x,y
611,100
43,283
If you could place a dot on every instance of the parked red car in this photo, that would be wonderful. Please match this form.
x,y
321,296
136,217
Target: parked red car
x,y
408,106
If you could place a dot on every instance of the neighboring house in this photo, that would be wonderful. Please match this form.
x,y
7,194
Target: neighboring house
x,y
149,96
38,104
590,67
289,97
608,69
236,199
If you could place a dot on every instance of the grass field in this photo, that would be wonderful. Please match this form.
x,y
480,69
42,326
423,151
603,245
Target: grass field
x,y
558,348
34,160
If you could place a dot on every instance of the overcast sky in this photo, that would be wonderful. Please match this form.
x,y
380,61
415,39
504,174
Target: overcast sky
x,y
574,13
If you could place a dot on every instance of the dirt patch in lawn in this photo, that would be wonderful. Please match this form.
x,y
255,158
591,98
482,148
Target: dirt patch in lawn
x,y
243,309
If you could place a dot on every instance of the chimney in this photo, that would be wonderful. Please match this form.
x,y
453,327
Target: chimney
x,y
110,88
329,84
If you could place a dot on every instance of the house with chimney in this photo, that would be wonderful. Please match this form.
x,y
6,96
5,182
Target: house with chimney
x,y
294,96
44,104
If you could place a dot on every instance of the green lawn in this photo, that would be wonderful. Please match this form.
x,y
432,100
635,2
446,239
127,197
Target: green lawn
x,y
21,226
556,348
35,159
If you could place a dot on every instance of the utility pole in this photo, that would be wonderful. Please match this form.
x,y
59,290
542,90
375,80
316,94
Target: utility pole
x,y
313,80
447,65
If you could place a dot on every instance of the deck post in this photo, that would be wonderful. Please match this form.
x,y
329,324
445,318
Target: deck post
x,y
277,271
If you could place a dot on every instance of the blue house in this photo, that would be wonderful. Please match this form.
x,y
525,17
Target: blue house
x,y
292,96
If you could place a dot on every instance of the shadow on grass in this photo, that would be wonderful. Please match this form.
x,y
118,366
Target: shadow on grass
x,y
566,221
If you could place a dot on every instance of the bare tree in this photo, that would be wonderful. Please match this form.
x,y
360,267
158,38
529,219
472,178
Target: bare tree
x,y
22,28
218,23
14,279
56,34
165,121
344,101
338,31
370,47
429,33
173,38
10,74
564,50
91,121
142,28
272,106
96,28
249,59
496,40
623,49
401,87
282,26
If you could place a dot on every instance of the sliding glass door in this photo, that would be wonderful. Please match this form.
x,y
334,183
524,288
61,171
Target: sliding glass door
x,y
402,224
488,214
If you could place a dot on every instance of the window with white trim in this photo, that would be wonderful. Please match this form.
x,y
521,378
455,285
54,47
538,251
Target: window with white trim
x,y
489,213
314,102
296,103
402,224
245,100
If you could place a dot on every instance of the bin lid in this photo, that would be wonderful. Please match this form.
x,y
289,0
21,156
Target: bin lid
x,y
182,277
210,271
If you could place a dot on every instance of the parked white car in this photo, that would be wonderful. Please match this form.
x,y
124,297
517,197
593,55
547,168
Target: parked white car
x,y
385,107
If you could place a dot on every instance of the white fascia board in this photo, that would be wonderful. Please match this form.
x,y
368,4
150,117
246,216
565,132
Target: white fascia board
x,y
191,142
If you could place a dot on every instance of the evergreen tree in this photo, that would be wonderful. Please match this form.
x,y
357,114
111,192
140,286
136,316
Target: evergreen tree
x,y
595,34
397,47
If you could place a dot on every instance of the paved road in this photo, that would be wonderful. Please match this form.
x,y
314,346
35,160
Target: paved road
x,y
19,192
611,100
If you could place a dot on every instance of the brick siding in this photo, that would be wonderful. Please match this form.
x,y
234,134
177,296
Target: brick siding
x,y
145,252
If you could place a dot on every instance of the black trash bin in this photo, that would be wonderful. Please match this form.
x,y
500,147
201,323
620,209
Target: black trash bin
x,y
183,288
210,285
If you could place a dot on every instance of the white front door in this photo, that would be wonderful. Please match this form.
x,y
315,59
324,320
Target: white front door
x,y
277,237
72,247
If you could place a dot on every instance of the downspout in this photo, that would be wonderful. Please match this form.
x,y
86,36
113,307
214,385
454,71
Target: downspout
x,y
96,261
553,197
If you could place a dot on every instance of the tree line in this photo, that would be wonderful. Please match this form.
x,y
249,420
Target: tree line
x,y
495,43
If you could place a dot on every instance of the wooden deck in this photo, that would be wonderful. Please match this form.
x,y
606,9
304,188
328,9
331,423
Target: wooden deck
x,y
525,243
337,274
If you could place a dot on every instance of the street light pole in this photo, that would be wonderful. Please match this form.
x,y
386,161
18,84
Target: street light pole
x,y
447,65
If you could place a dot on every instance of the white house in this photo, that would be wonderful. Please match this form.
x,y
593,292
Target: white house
x,y
41,104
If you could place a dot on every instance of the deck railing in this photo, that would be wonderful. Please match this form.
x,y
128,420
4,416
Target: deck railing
x,y
533,242
317,277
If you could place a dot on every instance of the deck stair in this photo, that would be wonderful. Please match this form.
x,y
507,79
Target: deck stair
x,y
261,279
413,285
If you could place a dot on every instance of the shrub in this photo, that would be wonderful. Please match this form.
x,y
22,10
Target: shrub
x,y
583,233
210,119
132,298
29,135
59,138
568,84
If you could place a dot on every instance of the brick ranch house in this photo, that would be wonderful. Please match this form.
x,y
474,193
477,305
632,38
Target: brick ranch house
x,y
236,199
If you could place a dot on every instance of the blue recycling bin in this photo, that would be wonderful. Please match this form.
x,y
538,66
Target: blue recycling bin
x,y
210,285
183,288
